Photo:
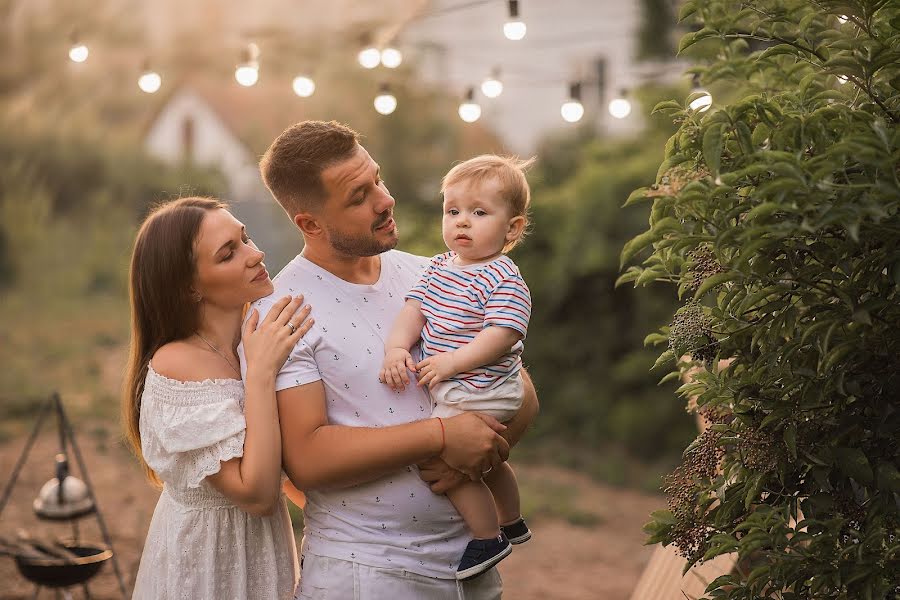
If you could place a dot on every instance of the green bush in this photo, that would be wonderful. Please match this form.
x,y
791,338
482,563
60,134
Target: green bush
x,y
776,216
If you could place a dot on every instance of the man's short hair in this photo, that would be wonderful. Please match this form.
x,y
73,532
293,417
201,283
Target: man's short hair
x,y
509,171
292,166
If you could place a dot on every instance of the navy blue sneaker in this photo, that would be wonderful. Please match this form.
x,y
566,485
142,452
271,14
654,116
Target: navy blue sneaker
x,y
516,533
481,555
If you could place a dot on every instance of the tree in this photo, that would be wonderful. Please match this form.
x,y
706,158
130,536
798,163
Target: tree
x,y
776,216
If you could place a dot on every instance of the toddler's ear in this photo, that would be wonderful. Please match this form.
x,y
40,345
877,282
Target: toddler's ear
x,y
515,228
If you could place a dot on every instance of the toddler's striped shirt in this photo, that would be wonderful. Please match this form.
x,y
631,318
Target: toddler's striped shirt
x,y
458,302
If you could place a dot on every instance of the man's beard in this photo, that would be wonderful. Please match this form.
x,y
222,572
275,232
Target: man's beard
x,y
359,246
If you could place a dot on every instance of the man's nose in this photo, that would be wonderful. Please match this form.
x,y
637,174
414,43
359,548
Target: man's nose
x,y
385,201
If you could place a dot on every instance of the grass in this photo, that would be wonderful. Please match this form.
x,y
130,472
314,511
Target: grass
x,y
542,499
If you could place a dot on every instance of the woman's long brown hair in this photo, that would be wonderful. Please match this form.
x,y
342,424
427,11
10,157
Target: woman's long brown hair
x,y
163,308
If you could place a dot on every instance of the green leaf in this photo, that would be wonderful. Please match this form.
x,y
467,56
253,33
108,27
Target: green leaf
x,y
888,477
665,105
674,375
655,339
712,148
687,9
717,279
790,440
664,358
630,275
634,246
753,489
638,195
853,463
762,210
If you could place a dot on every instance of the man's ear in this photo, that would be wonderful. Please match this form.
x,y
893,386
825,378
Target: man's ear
x,y
515,228
308,224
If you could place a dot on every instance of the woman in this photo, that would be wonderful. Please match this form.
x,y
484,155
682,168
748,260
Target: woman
x,y
221,528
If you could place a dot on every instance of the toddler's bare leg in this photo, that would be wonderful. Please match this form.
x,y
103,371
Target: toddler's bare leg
x,y
505,489
475,503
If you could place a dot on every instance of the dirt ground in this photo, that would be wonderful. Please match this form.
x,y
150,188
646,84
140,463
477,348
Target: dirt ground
x,y
598,555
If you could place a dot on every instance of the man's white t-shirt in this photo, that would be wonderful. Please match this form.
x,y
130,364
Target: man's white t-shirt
x,y
391,522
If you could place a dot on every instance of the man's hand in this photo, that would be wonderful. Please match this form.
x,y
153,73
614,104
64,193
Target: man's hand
x,y
397,361
436,368
473,444
440,476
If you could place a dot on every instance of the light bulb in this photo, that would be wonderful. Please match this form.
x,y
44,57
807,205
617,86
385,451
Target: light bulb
x,y
514,30
842,19
620,108
150,82
572,111
702,102
247,74
78,53
391,58
492,87
469,112
842,79
385,102
369,58
304,86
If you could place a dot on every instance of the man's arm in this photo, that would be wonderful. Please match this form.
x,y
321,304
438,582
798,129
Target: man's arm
x,y
442,477
317,455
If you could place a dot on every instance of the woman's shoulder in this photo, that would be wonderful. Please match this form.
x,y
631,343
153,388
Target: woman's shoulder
x,y
181,361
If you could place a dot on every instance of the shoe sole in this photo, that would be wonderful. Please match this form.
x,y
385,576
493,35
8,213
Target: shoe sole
x,y
521,539
478,569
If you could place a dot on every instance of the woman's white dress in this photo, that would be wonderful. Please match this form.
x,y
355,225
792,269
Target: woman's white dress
x,y
200,545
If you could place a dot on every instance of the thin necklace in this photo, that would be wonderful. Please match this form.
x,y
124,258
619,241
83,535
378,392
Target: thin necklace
x,y
216,350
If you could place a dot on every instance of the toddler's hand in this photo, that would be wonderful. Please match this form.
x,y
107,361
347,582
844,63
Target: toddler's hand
x,y
394,372
436,368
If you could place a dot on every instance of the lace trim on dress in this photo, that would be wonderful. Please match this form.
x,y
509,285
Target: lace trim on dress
x,y
208,461
172,391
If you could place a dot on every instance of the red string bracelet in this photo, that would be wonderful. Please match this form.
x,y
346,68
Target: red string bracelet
x,y
443,435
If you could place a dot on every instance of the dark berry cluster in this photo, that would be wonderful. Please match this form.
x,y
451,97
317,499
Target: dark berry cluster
x,y
703,264
683,487
691,333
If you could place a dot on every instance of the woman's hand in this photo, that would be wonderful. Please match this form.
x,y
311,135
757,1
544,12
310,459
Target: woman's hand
x,y
436,368
397,361
268,344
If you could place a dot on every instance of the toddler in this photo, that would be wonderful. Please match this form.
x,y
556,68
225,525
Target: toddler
x,y
471,309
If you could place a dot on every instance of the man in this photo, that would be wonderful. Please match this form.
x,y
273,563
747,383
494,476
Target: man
x,y
373,528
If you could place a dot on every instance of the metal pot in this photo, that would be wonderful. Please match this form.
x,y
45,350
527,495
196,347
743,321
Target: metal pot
x,y
59,572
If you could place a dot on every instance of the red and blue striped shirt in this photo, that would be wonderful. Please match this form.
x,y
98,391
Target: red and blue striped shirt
x,y
458,302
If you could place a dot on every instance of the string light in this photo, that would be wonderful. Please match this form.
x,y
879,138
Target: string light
x,y
385,102
620,107
703,100
304,86
369,58
391,58
149,81
573,110
492,87
842,79
247,72
842,19
78,52
469,110
514,28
